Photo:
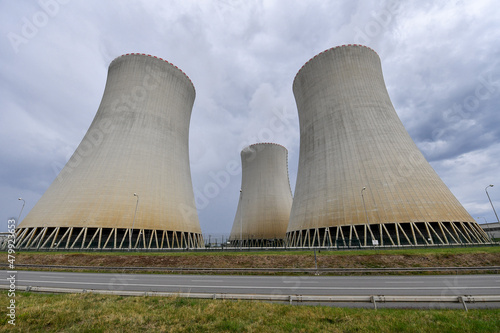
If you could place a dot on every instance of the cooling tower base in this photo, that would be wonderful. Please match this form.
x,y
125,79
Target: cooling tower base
x,y
390,234
258,242
46,238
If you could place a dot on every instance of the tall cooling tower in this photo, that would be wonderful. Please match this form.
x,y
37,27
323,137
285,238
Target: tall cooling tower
x,y
361,179
265,197
128,184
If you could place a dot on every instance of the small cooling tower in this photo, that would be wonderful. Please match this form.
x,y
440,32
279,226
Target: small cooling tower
x,y
265,197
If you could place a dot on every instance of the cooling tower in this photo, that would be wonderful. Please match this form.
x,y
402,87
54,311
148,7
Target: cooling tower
x,y
265,197
361,179
128,184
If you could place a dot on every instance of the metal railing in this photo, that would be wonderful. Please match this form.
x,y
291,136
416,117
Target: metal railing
x,y
374,299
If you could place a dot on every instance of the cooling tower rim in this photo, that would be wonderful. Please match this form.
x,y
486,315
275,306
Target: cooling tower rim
x,y
286,152
155,57
265,143
330,49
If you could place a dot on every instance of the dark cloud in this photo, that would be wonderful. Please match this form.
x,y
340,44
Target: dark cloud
x,y
242,57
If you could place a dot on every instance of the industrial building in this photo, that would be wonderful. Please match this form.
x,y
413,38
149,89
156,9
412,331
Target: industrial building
x,y
361,179
265,197
128,184
492,230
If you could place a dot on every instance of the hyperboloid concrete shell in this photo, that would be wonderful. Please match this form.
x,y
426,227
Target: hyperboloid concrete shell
x,y
265,198
361,179
128,184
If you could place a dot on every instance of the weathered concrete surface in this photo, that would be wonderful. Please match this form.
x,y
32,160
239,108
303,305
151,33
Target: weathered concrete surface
x,y
266,198
350,138
137,143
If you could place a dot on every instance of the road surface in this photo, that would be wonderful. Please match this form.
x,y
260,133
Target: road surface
x,y
429,285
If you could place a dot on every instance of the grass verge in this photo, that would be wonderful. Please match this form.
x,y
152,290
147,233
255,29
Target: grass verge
x,y
394,258
324,252
102,313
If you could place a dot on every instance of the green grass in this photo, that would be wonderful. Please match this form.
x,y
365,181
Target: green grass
x,y
366,252
101,313
380,258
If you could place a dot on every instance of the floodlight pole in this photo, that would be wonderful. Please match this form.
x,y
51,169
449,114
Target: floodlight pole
x,y
367,220
24,203
486,189
487,224
133,223
241,219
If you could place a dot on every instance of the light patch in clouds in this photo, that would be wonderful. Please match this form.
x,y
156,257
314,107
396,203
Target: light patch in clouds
x,y
242,57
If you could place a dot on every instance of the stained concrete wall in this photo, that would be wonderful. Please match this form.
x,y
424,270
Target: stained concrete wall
x,y
137,143
350,138
265,198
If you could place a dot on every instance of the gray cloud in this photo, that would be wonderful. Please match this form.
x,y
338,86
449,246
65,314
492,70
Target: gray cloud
x,y
242,57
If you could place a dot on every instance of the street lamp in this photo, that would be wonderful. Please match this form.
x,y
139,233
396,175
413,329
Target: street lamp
x,y
364,207
486,189
24,203
486,222
482,217
367,220
133,223
241,219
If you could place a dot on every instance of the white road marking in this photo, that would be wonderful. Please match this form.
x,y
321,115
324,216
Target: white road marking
x,y
255,287
207,281
52,276
406,282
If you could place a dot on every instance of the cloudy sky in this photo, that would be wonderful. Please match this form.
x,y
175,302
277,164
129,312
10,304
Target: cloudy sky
x,y
441,63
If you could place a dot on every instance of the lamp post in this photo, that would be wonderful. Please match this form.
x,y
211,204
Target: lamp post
x,y
367,220
486,189
133,223
241,219
24,203
364,207
482,217
486,222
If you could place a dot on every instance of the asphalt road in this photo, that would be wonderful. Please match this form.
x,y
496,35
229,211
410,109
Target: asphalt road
x,y
430,285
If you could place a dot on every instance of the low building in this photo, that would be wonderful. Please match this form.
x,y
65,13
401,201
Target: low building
x,y
492,229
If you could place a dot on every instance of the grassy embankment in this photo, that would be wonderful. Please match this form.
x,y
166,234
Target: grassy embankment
x,y
388,258
100,313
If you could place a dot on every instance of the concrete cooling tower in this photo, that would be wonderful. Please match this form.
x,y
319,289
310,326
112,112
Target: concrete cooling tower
x,y
361,179
128,184
265,197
